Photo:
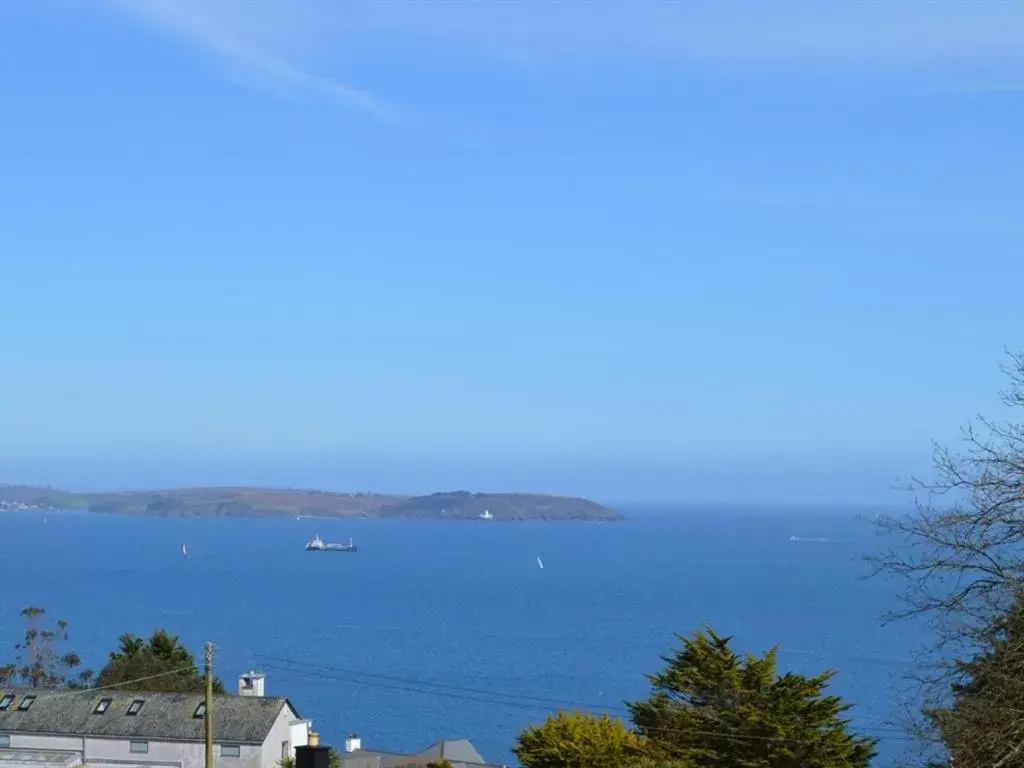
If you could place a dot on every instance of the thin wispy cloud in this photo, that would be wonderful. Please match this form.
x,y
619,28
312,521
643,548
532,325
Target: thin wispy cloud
x,y
258,67
865,32
288,47
763,32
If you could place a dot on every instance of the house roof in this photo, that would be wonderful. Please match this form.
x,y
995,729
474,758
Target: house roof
x,y
373,758
459,752
163,716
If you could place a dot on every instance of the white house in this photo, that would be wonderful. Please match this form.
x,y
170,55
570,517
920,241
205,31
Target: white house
x,y
130,729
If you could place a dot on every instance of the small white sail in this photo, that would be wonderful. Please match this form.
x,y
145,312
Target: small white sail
x,y
540,563
184,551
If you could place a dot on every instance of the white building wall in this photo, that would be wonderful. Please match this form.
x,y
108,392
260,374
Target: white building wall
x,y
169,753
279,741
299,734
165,753
36,741
160,754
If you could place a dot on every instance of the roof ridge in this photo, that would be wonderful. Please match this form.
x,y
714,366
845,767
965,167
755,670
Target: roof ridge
x,y
51,693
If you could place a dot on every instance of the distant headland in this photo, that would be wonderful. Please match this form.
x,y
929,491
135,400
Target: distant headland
x,y
288,502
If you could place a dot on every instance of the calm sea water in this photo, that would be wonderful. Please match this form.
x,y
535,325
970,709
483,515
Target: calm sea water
x,y
451,630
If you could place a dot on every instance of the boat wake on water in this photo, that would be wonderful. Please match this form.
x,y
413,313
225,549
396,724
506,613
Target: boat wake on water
x,y
820,540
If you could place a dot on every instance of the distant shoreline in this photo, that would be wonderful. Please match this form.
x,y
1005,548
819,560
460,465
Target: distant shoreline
x,y
310,504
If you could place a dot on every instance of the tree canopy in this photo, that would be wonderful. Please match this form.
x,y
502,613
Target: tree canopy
x,y
960,556
717,709
576,740
981,726
160,663
709,708
41,659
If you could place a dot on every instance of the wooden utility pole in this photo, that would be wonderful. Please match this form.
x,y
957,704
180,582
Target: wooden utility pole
x,y
208,718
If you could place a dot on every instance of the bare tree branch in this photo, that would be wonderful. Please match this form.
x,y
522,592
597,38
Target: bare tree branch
x,y
960,558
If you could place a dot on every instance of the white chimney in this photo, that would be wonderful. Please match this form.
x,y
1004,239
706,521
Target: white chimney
x,y
353,743
251,684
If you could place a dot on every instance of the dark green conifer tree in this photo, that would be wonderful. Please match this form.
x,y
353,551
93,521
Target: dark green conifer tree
x,y
715,709
160,663
982,727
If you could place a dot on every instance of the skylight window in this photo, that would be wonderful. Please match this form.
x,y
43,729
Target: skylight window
x,y
200,710
26,702
102,706
135,707
5,702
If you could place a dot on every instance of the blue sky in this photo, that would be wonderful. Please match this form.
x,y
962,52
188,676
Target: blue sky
x,y
636,250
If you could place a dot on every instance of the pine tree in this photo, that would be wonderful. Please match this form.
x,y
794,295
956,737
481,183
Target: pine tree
x,y
715,709
160,663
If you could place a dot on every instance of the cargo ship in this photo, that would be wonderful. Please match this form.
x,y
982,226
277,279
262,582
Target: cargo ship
x,y
319,545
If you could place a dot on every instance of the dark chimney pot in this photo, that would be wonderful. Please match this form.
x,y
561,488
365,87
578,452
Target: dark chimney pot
x,y
312,757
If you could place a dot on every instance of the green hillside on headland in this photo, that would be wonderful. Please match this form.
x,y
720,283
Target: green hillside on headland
x,y
274,502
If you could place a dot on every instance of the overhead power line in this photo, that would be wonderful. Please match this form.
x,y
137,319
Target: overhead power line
x,y
561,703
533,703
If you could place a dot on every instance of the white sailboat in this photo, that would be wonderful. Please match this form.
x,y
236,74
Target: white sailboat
x,y
540,563
184,551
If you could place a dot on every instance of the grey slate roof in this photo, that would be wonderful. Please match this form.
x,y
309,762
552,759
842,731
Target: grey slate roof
x,y
163,717
373,758
460,752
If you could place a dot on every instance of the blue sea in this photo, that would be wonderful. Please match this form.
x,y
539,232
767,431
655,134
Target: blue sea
x,y
452,630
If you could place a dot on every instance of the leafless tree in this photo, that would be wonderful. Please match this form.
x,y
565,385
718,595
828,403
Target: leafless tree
x,y
960,557
40,662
